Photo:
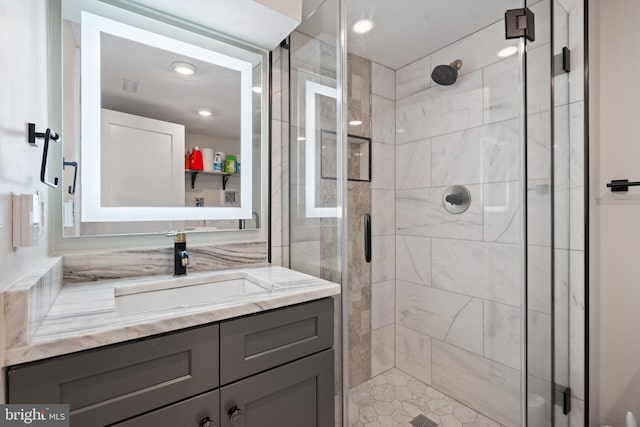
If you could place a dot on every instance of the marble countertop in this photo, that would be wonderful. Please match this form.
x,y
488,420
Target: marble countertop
x,y
89,315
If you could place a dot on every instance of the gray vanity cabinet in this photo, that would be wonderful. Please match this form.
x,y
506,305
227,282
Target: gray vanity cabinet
x,y
294,395
271,369
108,385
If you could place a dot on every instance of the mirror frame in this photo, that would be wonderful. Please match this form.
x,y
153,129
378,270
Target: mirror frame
x,y
92,26
200,35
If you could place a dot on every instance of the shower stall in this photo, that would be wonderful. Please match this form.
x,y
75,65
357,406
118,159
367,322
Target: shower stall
x,y
426,165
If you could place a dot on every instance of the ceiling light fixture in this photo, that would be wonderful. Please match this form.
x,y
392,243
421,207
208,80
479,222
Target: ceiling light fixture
x,y
184,68
362,26
204,112
355,122
257,89
302,138
507,52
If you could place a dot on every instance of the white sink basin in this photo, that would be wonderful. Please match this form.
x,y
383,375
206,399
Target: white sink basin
x,y
194,295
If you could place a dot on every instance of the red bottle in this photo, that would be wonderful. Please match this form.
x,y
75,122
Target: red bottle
x,y
196,159
187,160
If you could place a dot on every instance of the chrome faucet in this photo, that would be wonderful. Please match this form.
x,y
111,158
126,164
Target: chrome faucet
x,y
180,254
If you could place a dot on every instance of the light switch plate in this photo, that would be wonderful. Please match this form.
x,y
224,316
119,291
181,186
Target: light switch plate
x,y
27,217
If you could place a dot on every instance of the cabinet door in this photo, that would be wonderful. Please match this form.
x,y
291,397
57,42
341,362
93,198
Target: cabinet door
x,y
108,385
263,341
194,412
294,395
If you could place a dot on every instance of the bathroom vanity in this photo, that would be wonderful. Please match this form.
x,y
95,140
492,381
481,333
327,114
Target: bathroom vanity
x,y
232,356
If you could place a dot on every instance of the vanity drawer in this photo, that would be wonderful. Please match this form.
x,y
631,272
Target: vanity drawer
x,y
188,413
256,343
112,384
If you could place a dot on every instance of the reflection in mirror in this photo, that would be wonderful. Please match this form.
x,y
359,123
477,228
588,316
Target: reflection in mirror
x,y
136,104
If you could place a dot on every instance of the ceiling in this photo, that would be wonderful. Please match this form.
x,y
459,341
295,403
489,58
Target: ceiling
x,y
404,30
165,95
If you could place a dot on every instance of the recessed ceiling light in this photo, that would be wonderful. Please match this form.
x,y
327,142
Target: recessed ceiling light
x,y
184,68
355,122
204,112
302,138
257,89
362,26
507,52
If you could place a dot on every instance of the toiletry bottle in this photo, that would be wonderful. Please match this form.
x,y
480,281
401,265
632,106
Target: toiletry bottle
x,y
230,164
196,159
217,162
238,165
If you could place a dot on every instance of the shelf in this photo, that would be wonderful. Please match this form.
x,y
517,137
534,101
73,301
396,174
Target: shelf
x,y
225,176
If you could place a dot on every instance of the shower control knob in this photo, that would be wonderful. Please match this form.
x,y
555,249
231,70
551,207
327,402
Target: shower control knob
x,y
456,199
207,422
235,414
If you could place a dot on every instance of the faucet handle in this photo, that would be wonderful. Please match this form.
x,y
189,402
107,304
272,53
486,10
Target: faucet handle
x,y
180,236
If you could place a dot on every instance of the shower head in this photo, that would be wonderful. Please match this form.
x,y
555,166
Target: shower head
x,y
446,75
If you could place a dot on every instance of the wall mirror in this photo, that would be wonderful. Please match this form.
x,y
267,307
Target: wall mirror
x,y
139,94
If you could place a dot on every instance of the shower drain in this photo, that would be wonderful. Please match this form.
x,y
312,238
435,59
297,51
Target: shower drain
x,y
422,421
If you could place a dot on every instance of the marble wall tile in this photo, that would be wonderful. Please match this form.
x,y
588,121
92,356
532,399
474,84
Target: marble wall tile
x,y
413,165
382,350
87,266
421,213
482,154
276,255
502,215
577,415
484,270
502,90
307,257
576,150
440,109
383,255
577,324
539,272
383,81
502,324
562,312
276,184
476,51
466,329
383,215
313,55
539,353
413,78
413,353
489,387
576,224
359,91
383,166
539,146
413,259
539,213
538,83
427,310
383,302
383,121
576,44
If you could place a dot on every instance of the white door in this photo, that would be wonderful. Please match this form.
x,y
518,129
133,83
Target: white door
x,y
142,161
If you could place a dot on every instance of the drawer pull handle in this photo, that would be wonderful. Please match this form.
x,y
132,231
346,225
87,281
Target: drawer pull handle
x,y
235,414
207,422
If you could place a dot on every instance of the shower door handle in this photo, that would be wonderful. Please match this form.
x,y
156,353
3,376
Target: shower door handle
x,y
367,237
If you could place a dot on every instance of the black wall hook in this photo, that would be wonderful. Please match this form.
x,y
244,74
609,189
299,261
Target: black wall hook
x,y
32,135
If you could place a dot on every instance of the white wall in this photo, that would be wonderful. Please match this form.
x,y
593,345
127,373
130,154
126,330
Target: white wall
x,y
23,85
615,237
